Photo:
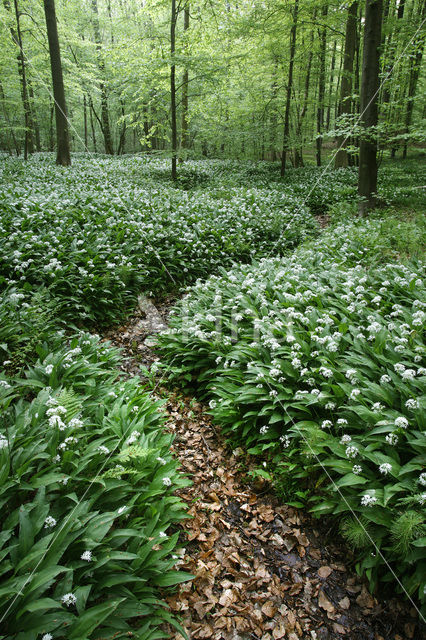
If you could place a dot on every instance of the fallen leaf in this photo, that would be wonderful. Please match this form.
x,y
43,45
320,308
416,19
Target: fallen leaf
x,y
269,609
324,603
345,603
324,572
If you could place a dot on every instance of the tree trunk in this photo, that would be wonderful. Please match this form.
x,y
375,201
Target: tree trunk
x,y
415,66
173,87
109,149
34,121
341,159
330,90
17,39
122,140
367,176
92,124
7,119
185,79
321,86
289,87
86,148
62,138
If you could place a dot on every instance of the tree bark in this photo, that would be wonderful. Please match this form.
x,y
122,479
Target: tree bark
x,y
173,87
415,66
92,124
86,148
17,39
367,176
109,149
341,159
331,86
185,80
321,86
63,156
293,33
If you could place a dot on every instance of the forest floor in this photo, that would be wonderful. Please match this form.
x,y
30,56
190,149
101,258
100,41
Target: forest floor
x,y
263,570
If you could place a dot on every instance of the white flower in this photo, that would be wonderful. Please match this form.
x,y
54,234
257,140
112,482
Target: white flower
x,y
408,374
330,406
273,393
47,636
412,404
350,373
86,555
422,498
345,439
422,479
351,451
103,449
167,482
356,469
264,429
342,421
285,441
49,522
162,534
121,510
368,500
385,378
385,468
161,460
326,424
3,442
48,369
401,422
212,404
377,407
399,368
69,599
75,423
354,394
392,439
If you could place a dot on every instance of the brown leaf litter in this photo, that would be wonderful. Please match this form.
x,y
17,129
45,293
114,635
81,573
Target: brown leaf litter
x,y
263,570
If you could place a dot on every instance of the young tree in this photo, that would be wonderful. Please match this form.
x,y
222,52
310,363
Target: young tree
x,y
367,176
321,85
173,87
104,98
63,156
185,80
289,87
341,159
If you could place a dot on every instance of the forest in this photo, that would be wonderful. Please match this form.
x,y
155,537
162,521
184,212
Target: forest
x,y
212,311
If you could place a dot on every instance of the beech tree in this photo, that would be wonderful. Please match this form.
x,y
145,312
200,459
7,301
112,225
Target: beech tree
x,y
367,177
63,156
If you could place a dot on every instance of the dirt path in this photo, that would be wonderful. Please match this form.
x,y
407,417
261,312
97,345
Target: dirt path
x,y
263,570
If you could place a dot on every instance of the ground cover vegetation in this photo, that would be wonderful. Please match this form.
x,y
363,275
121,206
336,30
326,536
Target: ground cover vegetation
x,y
316,361
79,443
308,345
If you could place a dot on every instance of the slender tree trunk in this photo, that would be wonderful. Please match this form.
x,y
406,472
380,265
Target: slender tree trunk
x,y
293,33
341,159
122,140
321,86
86,148
109,149
92,124
63,156
273,125
17,39
330,89
7,119
415,66
298,157
185,79
34,121
173,87
367,177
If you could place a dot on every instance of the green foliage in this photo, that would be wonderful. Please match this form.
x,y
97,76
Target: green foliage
x,y
87,537
317,362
